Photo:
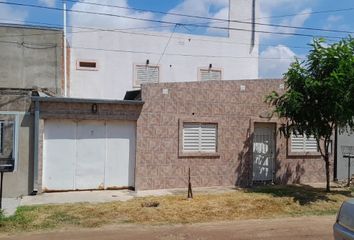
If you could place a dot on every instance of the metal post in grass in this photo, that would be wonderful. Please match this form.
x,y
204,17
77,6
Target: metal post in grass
x,y
348,152
190,192
1,179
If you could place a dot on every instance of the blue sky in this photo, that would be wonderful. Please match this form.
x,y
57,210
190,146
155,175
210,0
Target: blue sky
x,y
272,46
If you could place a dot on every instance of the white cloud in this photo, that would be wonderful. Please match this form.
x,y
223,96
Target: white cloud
x,y
11,15
334,18
275,61
108,22
297,20
49,3
334,21
222,14
205,8
271,7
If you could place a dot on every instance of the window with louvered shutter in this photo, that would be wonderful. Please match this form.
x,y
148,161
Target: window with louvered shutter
x,y
199,137
210,74
146,74
300,143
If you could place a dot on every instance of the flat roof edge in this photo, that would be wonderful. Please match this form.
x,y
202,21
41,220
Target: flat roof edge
x,y
31,26
86,100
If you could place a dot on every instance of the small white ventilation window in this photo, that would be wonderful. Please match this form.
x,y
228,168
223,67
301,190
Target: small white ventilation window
x,y
87,65
210,74
301,143
146,74
199,137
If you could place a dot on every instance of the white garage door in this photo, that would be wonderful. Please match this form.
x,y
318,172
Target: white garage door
x,y
88,154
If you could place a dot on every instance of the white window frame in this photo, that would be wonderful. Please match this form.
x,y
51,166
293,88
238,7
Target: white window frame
x,y
210,69
78,67
136,83
306,142
198,127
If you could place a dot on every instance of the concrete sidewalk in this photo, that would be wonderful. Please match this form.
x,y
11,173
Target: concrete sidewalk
x,y
77,197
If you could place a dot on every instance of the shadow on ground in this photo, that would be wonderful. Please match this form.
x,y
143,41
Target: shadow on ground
x,y
304,194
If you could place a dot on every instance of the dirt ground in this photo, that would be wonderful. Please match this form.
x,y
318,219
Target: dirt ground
x,y
282,228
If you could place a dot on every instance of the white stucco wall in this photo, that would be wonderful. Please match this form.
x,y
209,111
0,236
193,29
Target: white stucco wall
x,y
116,54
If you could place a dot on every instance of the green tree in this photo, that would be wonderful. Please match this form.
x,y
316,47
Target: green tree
x,y
319,94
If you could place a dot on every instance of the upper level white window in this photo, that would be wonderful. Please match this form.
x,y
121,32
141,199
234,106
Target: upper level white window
x,y
210,74
146,74
89,65
200,137
301,143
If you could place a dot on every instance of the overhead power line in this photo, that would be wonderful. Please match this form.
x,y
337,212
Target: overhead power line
x,y
149,34
92,29
179,14
24,44
309,13
218,19
168,43
168,22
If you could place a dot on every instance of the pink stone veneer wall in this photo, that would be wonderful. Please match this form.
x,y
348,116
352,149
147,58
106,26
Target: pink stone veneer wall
x,y
158,164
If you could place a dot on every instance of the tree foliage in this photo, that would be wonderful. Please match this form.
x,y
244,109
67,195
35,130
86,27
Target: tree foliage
x,y
319,94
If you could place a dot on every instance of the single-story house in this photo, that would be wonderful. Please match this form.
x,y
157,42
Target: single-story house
x,y
222,131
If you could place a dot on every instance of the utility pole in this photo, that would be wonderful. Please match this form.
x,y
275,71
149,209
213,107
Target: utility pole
x,y
65,51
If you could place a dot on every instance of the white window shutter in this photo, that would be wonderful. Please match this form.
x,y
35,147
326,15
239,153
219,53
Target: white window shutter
x,y
191,137
297,143
209,74
300,143
204,75
146,74
199,137
311,145
208,138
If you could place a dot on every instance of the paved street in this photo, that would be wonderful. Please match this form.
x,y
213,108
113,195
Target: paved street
x,y
314,228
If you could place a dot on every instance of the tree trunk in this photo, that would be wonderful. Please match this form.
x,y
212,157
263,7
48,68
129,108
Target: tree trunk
x,y
328,177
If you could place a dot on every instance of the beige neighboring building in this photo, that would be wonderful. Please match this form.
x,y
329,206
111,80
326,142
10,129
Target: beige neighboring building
x,y
31,62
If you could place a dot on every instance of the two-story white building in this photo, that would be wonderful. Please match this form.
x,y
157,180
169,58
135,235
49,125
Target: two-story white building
x,y
106,64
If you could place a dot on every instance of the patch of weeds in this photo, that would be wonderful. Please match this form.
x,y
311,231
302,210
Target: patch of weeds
x,y
61,218
254,203
2,215
2,218
304,195
20,221
150,204
93,223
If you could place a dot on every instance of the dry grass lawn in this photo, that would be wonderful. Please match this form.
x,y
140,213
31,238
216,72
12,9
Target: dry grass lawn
x,y
260,202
